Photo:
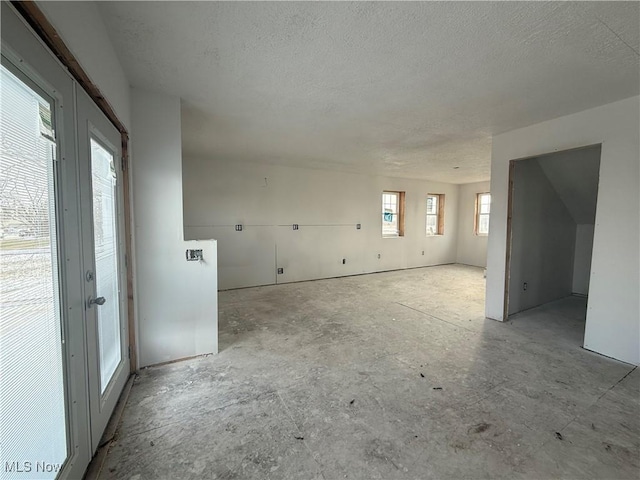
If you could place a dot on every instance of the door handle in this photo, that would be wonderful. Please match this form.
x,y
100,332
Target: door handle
x,y
96,301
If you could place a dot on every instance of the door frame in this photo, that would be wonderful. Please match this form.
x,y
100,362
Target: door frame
x,y
48,34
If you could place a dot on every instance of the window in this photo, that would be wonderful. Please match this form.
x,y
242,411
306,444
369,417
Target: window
x,y
392,214
483,207
435,214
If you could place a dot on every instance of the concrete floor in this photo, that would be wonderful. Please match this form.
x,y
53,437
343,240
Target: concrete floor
x,y
391,375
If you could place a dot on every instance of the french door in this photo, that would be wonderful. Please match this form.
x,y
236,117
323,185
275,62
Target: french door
x,y
63,324
31,330
103,258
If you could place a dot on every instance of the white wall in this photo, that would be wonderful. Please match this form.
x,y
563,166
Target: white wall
x,y
472,248
582,259
80,26
613,325
326,204
574,175
177,300
543,239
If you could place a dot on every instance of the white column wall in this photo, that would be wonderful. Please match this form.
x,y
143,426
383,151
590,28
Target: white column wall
x,y
177,300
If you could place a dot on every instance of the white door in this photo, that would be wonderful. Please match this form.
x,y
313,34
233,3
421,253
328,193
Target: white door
x,y
102,219
32,350
63,352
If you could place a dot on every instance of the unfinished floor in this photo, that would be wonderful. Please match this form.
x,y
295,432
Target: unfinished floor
x,y
390,375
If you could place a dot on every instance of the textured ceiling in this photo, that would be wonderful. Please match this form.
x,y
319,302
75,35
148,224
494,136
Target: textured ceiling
x,y
395,88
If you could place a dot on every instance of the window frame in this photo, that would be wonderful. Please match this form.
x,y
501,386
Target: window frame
x,y
439,215
400,206
478,214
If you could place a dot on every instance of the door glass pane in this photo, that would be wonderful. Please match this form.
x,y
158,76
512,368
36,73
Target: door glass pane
x,y
33,442
105,239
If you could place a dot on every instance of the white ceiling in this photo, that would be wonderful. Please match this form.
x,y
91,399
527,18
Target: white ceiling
x,y
395,88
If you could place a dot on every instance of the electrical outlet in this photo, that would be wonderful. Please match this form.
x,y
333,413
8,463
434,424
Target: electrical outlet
x,y
378,255
295,226
524,286
280,271
194,255
422,252
344,261
358,226
238,228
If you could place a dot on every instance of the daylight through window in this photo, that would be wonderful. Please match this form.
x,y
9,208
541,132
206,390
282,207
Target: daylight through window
x,y
435,214
392,214
483,207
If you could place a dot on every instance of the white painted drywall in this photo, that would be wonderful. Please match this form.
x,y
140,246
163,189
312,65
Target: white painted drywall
x,y
471,248
582,259
327,205
81,27
542,241
574,176
177,300
613,315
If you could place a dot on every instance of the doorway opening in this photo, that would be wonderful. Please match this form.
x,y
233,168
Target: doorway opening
x,y
551,220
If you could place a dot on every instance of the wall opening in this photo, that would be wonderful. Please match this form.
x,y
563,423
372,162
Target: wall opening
x,y
550,227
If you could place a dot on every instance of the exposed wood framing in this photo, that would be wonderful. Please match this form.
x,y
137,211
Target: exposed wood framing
x,y
441,214
43,28
38,21
476,217
401,209
507,268
128,223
